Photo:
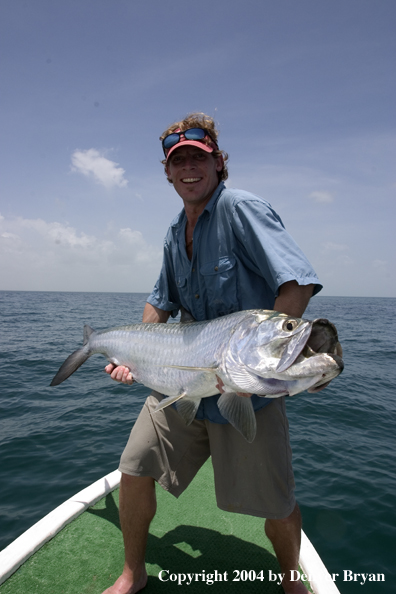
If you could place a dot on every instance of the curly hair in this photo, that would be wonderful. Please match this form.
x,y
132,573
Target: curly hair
x,y
199,120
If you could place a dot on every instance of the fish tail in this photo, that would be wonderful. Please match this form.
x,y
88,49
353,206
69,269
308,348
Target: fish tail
x,y
75,360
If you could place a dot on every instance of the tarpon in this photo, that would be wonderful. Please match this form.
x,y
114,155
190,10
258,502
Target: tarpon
x,y
256,351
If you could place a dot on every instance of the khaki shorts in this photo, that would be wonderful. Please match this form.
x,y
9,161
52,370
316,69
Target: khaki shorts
x,y
254,479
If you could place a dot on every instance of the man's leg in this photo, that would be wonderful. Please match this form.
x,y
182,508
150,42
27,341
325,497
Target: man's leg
x,y
161,446
257,479
285,536
137,509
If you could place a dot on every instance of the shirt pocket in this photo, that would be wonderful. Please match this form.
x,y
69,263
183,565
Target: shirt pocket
x,y
181,281
220,280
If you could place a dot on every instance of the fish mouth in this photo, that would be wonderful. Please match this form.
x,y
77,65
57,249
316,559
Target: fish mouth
x,y
325,381
319,336
324,338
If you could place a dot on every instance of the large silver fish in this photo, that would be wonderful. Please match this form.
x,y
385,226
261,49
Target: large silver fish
x,y
256,351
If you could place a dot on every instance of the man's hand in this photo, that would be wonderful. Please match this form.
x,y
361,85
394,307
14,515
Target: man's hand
x,y
220,387
119,374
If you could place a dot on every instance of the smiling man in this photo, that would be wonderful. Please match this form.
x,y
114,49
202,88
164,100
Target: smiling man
x,y
226,251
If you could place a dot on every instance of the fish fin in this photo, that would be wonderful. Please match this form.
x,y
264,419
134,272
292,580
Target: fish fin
x,y
167,401
239,411
187,409
187,368
87,333
185,316
72,363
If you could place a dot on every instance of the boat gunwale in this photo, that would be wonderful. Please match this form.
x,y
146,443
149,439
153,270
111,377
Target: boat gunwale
x,y
23,547
30,541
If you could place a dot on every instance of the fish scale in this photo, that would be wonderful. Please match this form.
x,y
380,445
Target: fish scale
x,y
198,344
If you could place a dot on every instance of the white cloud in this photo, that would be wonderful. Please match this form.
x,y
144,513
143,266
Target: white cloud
x,y
345,260
330,246
37,255
93,164
321,196
7,235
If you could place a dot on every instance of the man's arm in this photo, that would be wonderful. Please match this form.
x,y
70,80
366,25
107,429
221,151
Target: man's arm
x,y
293,298
154,315
151,315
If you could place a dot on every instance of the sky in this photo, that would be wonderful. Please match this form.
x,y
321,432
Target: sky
x,y
303,92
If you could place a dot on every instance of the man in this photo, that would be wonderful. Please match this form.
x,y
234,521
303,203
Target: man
x,y
226,251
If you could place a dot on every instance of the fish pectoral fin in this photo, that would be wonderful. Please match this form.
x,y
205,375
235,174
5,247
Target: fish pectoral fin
x,y
187,409
167,401
239,411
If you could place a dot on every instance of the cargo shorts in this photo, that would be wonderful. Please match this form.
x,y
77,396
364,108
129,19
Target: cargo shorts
x,y
250,478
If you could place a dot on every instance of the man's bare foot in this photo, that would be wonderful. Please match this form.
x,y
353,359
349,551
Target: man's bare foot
x,y
124,586
295,588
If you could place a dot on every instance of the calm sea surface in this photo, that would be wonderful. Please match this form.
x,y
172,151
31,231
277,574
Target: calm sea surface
x,y
56,441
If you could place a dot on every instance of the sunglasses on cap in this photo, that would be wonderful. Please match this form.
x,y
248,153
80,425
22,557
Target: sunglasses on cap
x,y
197,134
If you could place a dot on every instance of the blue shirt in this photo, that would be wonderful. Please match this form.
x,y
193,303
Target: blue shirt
x,y
242,254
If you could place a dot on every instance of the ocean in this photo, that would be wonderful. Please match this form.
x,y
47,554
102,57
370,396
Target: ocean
x,y
56,441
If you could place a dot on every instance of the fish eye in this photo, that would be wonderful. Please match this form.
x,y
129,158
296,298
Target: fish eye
x,y
289,325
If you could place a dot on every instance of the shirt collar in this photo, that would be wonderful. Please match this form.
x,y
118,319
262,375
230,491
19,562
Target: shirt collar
x,y
210,205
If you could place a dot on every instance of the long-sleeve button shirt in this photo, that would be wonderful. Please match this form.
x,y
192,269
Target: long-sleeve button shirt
x,y
242,254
